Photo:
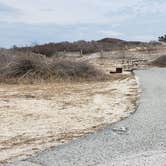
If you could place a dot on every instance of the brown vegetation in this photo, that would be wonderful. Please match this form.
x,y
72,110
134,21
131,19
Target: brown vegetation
x,y
29,67
85,47
160,62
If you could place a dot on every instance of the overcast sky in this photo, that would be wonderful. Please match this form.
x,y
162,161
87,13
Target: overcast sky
x,y
23,22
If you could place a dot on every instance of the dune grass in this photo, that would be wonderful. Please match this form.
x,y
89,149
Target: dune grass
x,y
30,68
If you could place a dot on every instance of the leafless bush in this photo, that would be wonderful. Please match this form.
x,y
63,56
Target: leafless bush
x,y
5,57
85,47
36,68
76,70
22,66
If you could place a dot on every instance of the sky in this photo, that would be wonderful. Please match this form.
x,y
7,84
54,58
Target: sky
x,y
28,22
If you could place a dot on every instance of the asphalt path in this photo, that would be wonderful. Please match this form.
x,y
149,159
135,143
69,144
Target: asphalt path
x,y
139,140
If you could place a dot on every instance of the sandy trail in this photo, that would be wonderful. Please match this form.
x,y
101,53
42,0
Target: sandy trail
x,y
36,117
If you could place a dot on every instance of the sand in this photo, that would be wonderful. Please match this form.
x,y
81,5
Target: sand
x,y
36,117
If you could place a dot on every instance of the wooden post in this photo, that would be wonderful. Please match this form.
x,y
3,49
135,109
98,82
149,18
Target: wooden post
x,y
80,52
102,53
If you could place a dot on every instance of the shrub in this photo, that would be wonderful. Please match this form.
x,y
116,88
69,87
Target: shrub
x,y
162,38
86,47
37,68
76,70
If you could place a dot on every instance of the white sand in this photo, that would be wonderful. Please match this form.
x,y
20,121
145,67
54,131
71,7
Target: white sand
x,y
36,117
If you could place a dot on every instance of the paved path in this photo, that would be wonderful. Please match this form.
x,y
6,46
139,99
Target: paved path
x,y
137,141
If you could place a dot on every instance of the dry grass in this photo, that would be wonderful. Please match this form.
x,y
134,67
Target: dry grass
x,y
160,62
30,68
39,116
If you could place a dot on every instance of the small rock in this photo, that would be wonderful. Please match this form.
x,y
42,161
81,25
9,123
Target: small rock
x,y
120,130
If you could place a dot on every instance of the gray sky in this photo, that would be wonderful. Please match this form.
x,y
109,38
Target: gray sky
x,y
24,22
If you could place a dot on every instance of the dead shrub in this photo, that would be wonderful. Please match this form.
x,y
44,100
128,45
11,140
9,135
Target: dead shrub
x,y
38,68
76,70
85,47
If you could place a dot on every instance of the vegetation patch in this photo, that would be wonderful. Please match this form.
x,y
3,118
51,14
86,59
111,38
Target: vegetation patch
x,y
160,62
38,68
85,47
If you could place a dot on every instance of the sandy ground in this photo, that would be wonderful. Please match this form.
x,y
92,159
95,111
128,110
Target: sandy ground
x,y
36,117
139,140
